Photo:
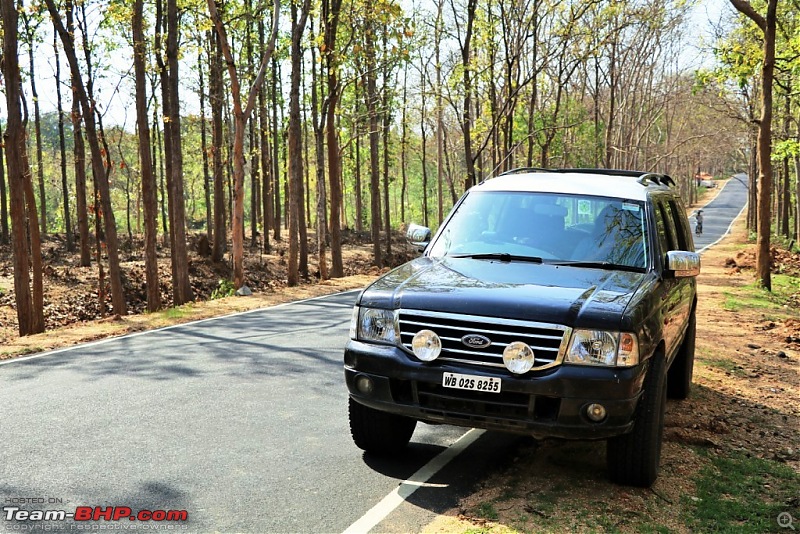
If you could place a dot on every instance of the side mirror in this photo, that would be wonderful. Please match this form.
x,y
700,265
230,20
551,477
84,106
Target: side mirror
x,y
418,236
683,264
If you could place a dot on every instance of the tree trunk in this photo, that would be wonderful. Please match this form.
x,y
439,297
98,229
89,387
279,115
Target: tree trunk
x,y
403,146
374,141
387,121
63,150
216,100
276,168
204,144
767,25
98,165
330,12
267,201
79,157
241,116
295,143
37,124
14,138
181,284
466,124
145,161
318,123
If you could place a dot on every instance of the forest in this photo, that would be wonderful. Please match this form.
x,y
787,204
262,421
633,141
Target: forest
x,y
214,130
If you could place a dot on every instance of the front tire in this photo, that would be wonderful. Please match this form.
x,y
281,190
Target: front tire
x,y
634,458
679,384
379,432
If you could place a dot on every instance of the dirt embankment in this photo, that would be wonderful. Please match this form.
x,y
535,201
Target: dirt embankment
x,y
74,313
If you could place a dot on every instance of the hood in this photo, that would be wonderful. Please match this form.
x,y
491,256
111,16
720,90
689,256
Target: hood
x,y
571,296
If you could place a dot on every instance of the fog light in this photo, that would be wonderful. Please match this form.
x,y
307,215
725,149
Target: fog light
x,y
518,357
426,345
596,412
364,385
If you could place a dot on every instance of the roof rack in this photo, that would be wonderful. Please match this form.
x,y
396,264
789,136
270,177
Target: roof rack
x,y
643,177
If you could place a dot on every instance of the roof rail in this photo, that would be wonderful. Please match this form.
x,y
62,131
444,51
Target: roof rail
x,y
643,177
520,170
658,179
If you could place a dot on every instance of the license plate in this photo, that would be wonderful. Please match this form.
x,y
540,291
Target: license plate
x,y
471,382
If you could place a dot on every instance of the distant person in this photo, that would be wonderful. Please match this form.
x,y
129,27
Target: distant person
x,y
699,217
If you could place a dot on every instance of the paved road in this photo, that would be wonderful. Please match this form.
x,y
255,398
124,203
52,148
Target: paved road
x,y
240,421
718,214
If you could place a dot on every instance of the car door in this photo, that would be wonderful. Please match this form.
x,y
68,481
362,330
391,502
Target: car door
x,y
688,285
670,297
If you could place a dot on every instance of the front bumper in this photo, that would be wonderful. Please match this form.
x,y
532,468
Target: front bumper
x,y
550,403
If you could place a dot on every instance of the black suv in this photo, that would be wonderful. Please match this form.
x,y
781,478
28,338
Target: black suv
x,y
550,302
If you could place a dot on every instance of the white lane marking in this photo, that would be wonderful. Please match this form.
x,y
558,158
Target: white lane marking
x,y
380,511
145,332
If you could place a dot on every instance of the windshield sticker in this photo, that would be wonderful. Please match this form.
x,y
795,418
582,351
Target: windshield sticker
x,y
584,207
630,207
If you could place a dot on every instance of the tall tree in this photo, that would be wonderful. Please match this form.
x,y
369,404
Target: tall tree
x,y
767,24
331,10
465,44
145,160
182,289
295,145
217,102
204,142
267,200
241,116
30,315
62,145
31,20
98,165
372,100
319,151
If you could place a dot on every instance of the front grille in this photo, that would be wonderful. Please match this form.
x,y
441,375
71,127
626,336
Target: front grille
x,y
475,406
548,341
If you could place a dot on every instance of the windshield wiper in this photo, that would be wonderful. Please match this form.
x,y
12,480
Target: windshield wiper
x,y
599,265
500,256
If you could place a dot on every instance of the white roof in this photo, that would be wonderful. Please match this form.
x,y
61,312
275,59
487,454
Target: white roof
x,y
571,183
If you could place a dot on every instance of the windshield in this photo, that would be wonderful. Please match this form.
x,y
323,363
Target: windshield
x,y
552,227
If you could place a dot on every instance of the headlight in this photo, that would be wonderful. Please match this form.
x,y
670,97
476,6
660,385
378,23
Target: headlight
x,y
599,347
377,325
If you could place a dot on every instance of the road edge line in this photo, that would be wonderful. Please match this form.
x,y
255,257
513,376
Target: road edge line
x,y
388,504
169,327
726,233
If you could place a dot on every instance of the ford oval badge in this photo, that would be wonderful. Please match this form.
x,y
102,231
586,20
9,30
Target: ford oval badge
x,y
476,341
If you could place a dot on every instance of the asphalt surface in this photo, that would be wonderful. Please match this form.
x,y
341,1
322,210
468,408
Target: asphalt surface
x,y
241,421
718,214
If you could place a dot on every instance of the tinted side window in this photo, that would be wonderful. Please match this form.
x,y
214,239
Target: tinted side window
x,y
666,233
681,230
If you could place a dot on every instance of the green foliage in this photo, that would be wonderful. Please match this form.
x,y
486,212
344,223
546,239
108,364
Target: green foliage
x,y
486,510
225,288
739,493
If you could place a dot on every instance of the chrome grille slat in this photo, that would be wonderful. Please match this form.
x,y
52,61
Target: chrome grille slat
x,y
548,341
479,330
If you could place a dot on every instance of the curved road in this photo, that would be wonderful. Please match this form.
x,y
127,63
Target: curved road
x,y
241,421
720,212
